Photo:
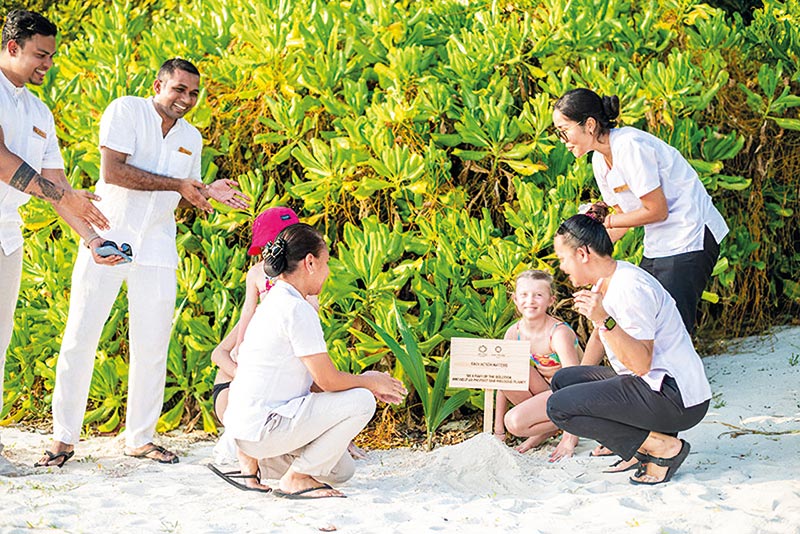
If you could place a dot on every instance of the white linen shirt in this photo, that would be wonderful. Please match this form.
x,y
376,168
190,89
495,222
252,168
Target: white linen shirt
x,y
270,377
30,133
146,219
641,163
644,310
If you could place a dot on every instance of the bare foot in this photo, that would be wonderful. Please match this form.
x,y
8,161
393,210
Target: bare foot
x,y
600,450
153,452
528,444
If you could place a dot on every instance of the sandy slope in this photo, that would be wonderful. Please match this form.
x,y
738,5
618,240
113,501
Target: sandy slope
x,y
749,483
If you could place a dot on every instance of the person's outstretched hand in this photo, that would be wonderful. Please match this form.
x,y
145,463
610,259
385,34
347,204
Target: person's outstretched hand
x,y
78,203
385,388
227,192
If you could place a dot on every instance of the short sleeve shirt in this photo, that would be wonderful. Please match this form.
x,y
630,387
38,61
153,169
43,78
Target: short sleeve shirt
x,y
146,219
30,133
270,375
643,163
644,310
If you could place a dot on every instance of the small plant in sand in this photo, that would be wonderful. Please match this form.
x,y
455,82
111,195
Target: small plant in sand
x,y
434,406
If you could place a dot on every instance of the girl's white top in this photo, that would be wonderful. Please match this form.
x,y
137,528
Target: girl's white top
x,y
270,376
641,164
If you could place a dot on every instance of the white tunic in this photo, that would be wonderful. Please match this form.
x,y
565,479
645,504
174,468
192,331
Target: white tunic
x,y
641,164
270,377
146,219
30,133
644,310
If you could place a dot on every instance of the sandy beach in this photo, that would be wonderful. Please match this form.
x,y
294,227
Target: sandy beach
x,y
742,476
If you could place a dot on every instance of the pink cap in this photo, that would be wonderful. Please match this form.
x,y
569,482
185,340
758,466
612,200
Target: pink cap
x,y
268,225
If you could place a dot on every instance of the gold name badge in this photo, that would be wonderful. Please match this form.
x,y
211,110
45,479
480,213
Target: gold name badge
x,y
621,188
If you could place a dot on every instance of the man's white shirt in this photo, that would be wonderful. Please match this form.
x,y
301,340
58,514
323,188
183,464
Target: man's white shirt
x,y
30,133
146,219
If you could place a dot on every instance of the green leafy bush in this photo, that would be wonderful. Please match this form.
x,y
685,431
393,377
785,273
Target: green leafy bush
x,y
415,135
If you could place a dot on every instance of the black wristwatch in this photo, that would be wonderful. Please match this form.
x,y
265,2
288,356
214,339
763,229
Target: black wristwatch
x,y
609,323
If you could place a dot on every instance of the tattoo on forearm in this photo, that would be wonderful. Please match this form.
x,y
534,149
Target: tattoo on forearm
x,y
47,190
50,191
22,177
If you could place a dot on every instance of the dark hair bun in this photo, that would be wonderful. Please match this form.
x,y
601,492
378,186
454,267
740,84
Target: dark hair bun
x,y
274,256
598,211
611,108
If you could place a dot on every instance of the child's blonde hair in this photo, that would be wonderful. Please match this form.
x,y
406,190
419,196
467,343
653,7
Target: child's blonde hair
x,y
537,274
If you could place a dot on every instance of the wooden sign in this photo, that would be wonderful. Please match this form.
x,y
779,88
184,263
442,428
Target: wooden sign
x,y
489,364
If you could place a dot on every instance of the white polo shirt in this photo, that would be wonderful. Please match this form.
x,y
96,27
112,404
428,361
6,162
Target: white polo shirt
x,y
146,219
642,163
30,133
270,376
644,310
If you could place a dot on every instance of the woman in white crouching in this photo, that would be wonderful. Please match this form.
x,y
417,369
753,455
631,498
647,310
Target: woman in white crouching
x,y
279,424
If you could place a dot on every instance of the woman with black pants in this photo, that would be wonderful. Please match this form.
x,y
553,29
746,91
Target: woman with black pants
x,y
656,385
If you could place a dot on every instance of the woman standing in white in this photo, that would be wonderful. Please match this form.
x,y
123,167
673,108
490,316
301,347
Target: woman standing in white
x,y
299,435
650,184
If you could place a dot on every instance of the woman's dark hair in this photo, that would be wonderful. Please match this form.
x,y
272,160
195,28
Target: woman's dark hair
x,y
22,25
580,104
293,244
588,230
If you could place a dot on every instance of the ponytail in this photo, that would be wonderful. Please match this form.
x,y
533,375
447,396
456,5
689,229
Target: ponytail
x,y
290,247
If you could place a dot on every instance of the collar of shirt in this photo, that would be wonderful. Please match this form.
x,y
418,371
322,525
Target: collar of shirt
x,y
289,288
179,124
10,87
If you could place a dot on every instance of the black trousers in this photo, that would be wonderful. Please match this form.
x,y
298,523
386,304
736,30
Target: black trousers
x,y
685,276
619,411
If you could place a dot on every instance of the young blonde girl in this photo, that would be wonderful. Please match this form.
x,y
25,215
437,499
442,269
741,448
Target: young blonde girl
x,y
553,345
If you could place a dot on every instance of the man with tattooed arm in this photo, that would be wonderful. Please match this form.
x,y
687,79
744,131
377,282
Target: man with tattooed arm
x,y
30,161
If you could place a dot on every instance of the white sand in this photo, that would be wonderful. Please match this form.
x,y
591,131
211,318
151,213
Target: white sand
x,y
749,483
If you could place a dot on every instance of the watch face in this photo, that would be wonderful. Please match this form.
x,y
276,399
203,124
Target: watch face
x,y
609,323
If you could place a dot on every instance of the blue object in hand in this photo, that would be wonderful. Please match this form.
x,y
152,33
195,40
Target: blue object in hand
x,y
110,248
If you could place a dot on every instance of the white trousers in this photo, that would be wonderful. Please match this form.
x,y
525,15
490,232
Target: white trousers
x,y
151,304
315,441
10,276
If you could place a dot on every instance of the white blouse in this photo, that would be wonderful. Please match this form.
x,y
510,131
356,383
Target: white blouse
x,y
270,376
644,310
641,164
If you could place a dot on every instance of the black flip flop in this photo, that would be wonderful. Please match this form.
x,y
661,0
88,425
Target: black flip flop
x,y
145,454
302,494
231,476
631,467
59,457
672,464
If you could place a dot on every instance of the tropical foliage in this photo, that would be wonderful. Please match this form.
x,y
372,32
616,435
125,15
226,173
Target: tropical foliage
x,y
416,136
